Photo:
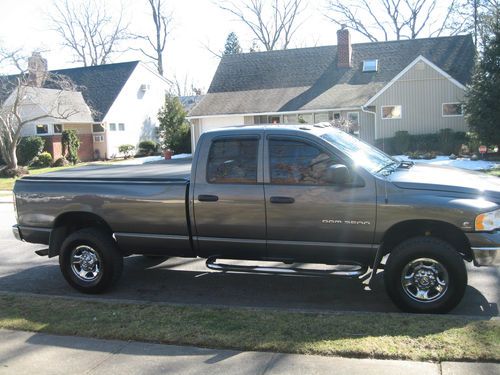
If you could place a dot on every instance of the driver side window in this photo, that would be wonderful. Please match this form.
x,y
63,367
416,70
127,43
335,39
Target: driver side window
x,y
298,163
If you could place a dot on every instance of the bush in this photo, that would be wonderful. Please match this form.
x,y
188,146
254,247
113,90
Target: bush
x,y
43,160
28,149
11,173
126,150
147,147
401,143
61,162
70,145
181,141
445,142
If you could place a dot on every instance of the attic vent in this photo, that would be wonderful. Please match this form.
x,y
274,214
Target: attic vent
x,y
370,65
145,87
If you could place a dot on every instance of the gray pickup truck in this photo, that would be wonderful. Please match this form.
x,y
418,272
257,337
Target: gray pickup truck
x,y
283,194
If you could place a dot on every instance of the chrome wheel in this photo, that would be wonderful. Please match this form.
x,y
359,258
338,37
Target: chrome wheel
x,y
425,280
86,263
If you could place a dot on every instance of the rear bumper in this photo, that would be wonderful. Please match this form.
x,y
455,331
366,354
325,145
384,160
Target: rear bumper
x,y
486,248
17,232
31,234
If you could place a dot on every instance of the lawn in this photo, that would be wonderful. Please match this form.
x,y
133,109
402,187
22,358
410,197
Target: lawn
x,y
494,172
8,183
363,335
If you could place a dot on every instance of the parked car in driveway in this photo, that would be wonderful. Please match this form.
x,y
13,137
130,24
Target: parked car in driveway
x,y
291,194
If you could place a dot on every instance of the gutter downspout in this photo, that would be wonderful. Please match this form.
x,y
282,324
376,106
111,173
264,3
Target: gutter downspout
x,y
363,109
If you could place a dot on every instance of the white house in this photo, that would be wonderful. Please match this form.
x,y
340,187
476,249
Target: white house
x,y
124,99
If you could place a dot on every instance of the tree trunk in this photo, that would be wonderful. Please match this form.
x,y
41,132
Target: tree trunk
x,y
12,158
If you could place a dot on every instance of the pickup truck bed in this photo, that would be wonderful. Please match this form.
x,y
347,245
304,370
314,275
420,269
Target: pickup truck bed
x,y
157,171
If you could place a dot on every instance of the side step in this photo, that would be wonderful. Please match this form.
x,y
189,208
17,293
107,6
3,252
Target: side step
x,y
42,253
355,271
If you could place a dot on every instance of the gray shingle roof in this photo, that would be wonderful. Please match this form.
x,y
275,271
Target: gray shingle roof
x,y
308,78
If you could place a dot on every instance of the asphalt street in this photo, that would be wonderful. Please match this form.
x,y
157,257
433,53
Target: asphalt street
x,y
179,280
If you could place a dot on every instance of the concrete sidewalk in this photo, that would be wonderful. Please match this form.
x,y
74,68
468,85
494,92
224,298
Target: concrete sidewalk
x,y
35,353
5,196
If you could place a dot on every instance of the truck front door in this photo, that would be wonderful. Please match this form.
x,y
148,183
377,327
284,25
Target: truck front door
x,y
309,219
229,208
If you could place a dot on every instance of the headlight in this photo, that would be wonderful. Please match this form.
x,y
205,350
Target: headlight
x,y
488,221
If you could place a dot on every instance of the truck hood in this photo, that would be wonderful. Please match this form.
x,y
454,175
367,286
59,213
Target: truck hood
x,y
441,178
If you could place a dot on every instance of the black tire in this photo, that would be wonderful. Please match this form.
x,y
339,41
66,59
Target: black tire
x,y
103,253
411,258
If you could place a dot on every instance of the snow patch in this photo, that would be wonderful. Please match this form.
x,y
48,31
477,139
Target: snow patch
x,y
464,163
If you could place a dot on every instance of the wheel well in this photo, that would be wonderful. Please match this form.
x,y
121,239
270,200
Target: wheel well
x,y
445,231
69,222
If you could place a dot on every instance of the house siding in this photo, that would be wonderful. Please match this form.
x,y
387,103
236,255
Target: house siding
x,y
135,108
421,91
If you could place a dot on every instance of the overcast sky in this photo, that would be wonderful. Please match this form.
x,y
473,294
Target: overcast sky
x,y
23,23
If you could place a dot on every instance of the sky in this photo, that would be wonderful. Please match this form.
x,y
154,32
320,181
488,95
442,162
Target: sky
x,y
196,24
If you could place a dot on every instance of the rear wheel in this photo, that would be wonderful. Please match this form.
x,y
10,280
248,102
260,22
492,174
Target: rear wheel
x,y
425,275
90,261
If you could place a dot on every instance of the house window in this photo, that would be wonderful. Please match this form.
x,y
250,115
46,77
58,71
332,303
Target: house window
x,y
98,138
121,127
322,117
58,128
274,119
112,127
290,119
42,129
353,118
305,118
97,128
452,109
370,65
391,112
336,116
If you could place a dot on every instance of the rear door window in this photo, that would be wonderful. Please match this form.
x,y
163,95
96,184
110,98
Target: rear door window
x,y
233,161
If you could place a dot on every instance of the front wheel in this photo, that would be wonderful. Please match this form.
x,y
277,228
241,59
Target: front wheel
x,y
90,260
425,275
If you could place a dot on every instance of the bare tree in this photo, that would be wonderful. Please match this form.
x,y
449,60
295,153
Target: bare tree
x,y
273,23
479,17
22,102
183,86
88,29
156,43
390,19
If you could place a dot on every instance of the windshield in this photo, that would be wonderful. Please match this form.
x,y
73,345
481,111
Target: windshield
x,y
362,154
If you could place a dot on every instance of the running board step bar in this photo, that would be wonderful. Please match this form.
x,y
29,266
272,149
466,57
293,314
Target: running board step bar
x,y
42,253
355,271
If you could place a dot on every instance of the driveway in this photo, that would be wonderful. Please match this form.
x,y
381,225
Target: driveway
x,y
182,280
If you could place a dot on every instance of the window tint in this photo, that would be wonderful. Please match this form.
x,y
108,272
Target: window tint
x,y
295,162
233,161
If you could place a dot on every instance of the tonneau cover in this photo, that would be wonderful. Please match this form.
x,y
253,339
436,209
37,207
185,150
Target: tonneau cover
x,y
158,171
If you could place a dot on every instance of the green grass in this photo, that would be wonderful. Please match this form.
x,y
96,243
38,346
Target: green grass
x,y
8,183
375,335
494,172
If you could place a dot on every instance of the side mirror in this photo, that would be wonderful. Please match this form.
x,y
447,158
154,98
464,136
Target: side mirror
x,y
337,174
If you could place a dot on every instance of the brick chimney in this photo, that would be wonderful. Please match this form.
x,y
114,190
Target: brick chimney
x,y
344,49
37,70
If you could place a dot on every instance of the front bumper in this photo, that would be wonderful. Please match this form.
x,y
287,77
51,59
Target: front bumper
x,y
486,248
